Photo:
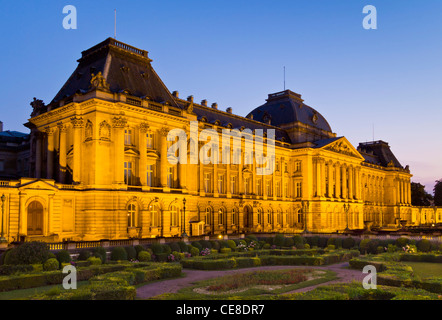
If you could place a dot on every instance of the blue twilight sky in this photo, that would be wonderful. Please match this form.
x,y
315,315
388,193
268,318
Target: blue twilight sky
x,y
233,53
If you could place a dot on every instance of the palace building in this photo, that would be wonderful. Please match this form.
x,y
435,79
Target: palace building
x,y
98,165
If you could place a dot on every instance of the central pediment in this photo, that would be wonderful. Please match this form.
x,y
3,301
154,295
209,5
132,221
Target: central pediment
x,y
342,146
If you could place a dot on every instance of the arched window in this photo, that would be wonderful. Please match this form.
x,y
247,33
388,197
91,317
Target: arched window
x,y
260,216
279,218
155,215
269,217
209,216
131,215
174,216
234,217
221,216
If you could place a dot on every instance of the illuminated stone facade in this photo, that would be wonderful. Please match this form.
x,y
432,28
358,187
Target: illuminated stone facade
x,y
99,166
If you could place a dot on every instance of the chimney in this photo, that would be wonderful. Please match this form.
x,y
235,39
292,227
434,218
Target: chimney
x,y
176,94
190,98
229,110
1,126
204,103
215,105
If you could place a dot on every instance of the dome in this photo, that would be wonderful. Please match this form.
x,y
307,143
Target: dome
x,y
287,107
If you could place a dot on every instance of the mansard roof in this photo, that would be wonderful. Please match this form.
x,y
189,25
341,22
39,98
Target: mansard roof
x,y
378,152
125,68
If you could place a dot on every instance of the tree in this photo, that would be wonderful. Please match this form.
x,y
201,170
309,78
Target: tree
x,y
419,197
438,193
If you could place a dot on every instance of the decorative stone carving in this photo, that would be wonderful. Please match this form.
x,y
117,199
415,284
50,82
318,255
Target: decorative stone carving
x,y
119,122
61,127
38,107
105,130
99,82
77,122
89,130
341,147
164,131
144,127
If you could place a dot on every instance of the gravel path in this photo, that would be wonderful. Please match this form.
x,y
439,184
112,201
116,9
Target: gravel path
x,y
192,276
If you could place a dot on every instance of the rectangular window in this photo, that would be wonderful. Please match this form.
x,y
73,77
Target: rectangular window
x,y
221,183
128,173
259,187
298,166
286,189
149,140
278,189
233,184
170,177
207,182
298,189
269,188
149,175
128,137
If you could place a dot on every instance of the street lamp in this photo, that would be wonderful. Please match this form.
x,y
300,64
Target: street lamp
x,y
184,235
2,238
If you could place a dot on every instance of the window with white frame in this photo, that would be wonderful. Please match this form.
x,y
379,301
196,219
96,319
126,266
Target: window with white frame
x,y
128,176
128,137
131,215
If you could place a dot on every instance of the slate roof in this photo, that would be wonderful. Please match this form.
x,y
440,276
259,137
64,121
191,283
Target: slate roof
x,y
287,107
124,67
378,152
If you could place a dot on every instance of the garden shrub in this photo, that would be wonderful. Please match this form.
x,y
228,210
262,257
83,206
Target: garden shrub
x,y
225,250
206,244
338,243
51,264
348,243
167,249
288,242
306,246
157,248
139,248
28,253
269,240
12,269
63,256
223,244
423,245
118,253
215,245
252,237
364,245
83,255
131,253
183,246
178,256
313,241
401,242
197,245
144,256
266,246
194,252
101,253
380,249
331,247
162,257
174,246
322,242
331,241
94,261
278,240
231,244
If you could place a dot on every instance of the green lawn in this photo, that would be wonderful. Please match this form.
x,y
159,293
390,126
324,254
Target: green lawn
x,y
425,269
26,293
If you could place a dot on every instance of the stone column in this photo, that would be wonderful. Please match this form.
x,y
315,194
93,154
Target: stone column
x,y
23,227
318,177
118,124
344,183
77,124
50,214
350,182
50,153
338,181
330,180
323,186
215,171
163,135
62,153
142,167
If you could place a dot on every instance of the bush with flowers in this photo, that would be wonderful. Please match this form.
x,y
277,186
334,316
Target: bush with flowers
x,y
205,252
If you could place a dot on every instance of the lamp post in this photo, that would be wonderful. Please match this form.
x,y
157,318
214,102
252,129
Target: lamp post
x,y
346,209
184,235
2,238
